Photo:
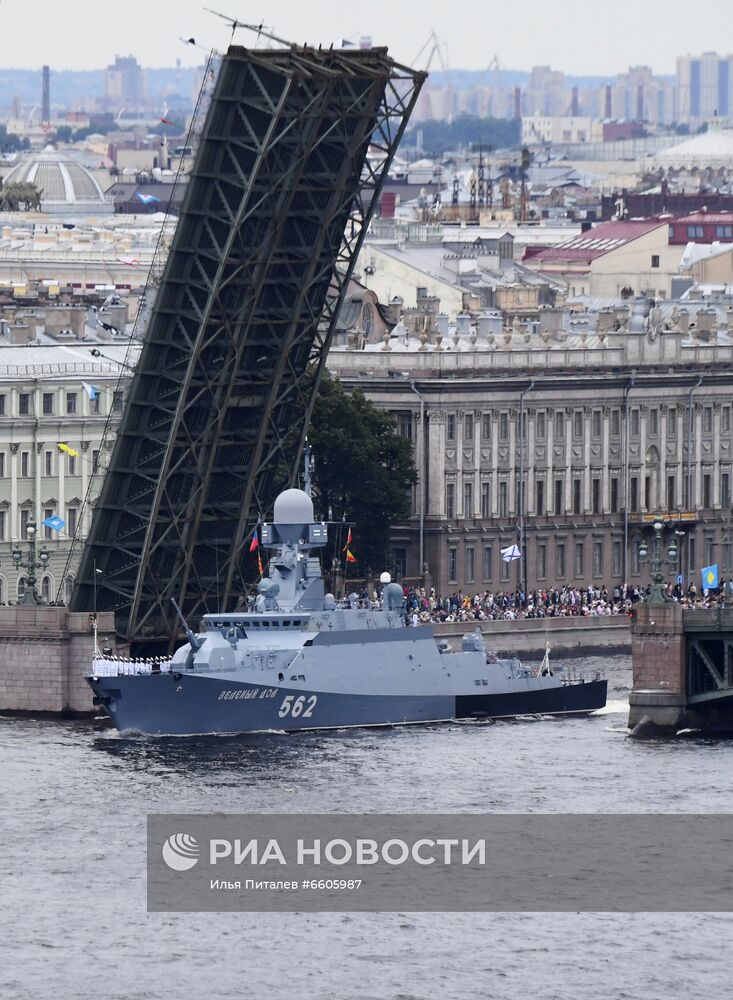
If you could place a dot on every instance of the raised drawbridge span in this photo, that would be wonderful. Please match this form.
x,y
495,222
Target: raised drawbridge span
x,y
293,154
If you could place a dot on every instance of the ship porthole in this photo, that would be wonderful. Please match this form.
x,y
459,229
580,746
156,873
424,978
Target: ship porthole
x,y
280,677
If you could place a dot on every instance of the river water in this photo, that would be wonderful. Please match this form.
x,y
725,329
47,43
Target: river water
x,y
72,829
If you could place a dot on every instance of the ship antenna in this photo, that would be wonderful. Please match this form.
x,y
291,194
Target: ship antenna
x,y
307,486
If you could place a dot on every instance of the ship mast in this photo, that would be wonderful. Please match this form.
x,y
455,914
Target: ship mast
x,y
307,485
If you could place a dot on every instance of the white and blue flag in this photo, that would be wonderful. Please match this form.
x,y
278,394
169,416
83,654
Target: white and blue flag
x,y
54,522
91,390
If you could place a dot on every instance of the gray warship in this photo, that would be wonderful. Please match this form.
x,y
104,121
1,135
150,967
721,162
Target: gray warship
x,y
296,659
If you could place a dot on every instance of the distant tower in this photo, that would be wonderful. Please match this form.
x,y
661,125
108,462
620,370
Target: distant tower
x,y
481,179
607,107
640,103
574,103
46,99
517,102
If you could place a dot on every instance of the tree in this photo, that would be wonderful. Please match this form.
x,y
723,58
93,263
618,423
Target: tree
x,y
362,472
10,142
465,130
20,197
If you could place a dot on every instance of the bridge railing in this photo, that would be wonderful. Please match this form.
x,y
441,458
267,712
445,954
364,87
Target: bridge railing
x,y
708,618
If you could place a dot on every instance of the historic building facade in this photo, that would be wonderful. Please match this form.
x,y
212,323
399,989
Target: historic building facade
x,y
569,443
45,401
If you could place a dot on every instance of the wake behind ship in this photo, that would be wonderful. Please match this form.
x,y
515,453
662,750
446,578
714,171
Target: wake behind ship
x,y
298,660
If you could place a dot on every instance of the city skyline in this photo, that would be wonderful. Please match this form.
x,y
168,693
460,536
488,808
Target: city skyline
x,y
561,35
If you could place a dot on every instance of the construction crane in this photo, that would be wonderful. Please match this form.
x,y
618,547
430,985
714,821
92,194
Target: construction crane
x,y
438,48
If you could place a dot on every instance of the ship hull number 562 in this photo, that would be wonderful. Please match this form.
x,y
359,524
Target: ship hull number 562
x,y
300,707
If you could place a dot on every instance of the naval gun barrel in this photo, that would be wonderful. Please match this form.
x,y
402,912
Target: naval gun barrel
x,y
193,640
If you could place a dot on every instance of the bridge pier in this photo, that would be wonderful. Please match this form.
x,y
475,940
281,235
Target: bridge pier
x,y
45,653
682,664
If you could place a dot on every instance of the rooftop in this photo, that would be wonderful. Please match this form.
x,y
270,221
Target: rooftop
x,y
598,241
66,186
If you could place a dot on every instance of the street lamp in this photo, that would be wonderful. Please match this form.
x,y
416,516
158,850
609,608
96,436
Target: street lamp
x,y
657,561
32,562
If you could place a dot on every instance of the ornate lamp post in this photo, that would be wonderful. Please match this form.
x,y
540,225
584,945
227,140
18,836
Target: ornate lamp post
x,y
657,561
32,562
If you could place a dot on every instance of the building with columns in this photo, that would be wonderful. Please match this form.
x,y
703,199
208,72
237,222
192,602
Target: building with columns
x,y
44,401
568,439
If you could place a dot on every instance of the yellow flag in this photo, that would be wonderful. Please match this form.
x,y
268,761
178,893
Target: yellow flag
x,y
69,451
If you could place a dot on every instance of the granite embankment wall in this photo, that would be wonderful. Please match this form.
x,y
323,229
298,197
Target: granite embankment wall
x,y
44,654
567,636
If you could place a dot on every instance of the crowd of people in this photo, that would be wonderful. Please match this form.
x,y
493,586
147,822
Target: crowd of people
x,y
553,602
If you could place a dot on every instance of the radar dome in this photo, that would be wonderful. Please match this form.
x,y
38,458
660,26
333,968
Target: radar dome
x,y
293,507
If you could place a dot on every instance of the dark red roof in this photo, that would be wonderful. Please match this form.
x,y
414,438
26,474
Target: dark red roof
x,y
700,218
600,240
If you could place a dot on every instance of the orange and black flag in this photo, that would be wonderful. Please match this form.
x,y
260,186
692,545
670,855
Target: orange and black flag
x,y
350,557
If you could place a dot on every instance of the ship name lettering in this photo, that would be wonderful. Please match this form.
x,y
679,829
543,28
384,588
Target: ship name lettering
x,y
246,694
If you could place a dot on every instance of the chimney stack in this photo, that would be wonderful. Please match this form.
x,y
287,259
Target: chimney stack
x,y
574,103
517,102
607,112
46,98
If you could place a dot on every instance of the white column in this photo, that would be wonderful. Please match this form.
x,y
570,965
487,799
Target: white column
x,y
568,460
14,514
587,416
662,505
494,462
38,449
86,454
681,451
529,462
513,420
436,465
716,455
697,457
62,459
606,455
643,417
550,439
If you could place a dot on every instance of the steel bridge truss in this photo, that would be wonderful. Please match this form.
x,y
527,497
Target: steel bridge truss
x,y
294,152
710,668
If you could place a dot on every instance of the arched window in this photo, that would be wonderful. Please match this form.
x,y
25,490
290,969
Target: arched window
x,y
3,590
21,588
46,588
68,587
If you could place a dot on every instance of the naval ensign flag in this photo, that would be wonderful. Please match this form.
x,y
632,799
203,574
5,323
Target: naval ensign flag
x,y
510,553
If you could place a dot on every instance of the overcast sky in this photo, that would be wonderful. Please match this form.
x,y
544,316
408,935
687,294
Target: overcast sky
x,y
577,36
